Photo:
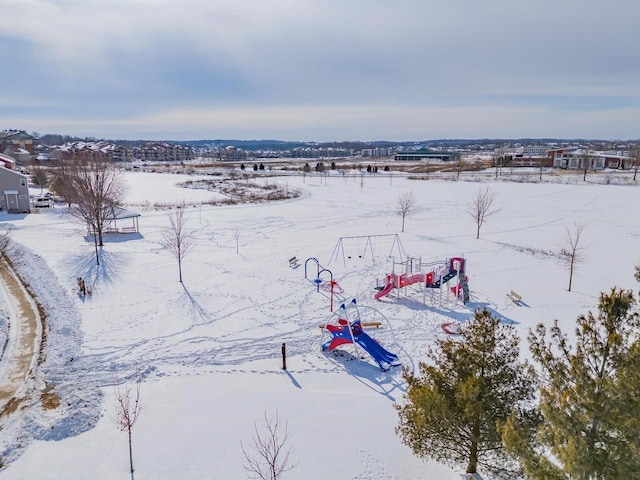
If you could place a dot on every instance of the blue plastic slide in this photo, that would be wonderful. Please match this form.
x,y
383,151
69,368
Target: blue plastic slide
x,y
384,358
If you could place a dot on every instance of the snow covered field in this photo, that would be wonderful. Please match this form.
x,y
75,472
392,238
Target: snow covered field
x,y
209,351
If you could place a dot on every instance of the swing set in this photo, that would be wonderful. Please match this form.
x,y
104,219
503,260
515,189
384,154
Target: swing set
x,y
362,246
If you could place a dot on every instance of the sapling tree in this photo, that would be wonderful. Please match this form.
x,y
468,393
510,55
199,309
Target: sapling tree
x,y
406,204
635,154
498,160
269,456
585,160
572,251
176,238
127,410
481,207
461,164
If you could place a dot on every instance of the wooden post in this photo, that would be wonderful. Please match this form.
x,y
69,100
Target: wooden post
x,y
284,356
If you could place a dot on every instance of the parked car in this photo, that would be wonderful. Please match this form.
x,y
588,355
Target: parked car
x,y
42,202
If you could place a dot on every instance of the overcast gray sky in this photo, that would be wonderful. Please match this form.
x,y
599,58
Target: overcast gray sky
x,y
321,70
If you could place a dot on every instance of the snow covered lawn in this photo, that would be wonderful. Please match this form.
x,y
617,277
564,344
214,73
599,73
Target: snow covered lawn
x,y
209,350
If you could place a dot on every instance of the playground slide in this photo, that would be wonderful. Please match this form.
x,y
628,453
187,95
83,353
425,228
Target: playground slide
x,y
385,359
384,291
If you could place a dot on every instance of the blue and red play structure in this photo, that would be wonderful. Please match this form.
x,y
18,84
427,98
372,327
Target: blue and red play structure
x,y
352,333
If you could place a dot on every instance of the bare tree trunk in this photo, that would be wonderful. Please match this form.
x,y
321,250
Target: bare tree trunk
x,y
572,253
472,466
130,451
571,273
95,245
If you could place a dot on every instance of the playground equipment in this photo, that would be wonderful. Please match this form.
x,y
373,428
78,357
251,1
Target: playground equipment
x,y
332,286
317,280
432,275
362,246
346,332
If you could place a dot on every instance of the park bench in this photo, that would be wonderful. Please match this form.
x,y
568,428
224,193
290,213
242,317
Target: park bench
x,y
294,262
515,297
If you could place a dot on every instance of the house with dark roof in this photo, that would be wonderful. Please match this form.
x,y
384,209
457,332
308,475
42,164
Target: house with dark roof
x,y
16,142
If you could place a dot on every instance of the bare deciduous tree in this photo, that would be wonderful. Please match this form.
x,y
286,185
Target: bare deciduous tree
x,y
176,238
541,162
127,409
269,457
635,154
585,160
572,252
461,164
498,160
93,189
481,207
406,204
39,176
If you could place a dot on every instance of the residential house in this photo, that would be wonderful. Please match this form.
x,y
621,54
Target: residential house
x,y
7,162
14,190
16,140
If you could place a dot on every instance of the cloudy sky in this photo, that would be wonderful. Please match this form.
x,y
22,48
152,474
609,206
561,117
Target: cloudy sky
x,y
321,70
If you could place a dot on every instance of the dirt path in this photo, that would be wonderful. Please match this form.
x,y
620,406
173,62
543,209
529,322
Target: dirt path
x,y
25,328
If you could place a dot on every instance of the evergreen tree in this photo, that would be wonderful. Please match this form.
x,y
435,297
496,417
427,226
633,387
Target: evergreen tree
x,y
590,398
454,409
333,165
242,166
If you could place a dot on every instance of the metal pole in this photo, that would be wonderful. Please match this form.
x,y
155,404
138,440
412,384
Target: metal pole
x,y
284,356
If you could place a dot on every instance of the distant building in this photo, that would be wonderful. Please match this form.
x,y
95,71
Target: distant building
x,y
16,140
160,152
231,154
427,155
375,152
531,151
579,159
